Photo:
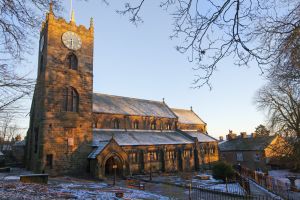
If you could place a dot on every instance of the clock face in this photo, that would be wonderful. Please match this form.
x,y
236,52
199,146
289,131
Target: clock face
x,y
71,40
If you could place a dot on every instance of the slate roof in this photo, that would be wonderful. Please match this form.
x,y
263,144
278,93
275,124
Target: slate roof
x,y
247,144
20,143
103,103
187,116
101,145
202,137
139,137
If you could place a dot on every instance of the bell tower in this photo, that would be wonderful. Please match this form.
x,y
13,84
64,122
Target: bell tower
x,y
60,130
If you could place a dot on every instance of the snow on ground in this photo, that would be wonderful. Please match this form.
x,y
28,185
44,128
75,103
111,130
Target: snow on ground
x,y
64,188
80,190
282,176
211,183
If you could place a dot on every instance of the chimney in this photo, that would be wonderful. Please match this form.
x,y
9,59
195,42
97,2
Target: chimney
x,y
243,135
221,138
231,135
253,135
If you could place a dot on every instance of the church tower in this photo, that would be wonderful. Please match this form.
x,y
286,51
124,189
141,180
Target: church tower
x,y
60,132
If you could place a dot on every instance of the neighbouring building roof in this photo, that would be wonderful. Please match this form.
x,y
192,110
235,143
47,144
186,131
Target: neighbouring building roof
x,y
247,144
100,146
103,103
20,143
187,116
139,137
202,137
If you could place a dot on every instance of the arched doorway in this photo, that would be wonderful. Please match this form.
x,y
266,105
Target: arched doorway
x,y
112,164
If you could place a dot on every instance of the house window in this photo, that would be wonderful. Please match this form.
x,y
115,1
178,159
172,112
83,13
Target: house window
x,y
136,124
239,156
72,62
152,156
116,123
71,99
153,125
133,157
257,157
49,160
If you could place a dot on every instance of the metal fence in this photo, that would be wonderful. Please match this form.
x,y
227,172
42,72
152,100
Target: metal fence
x,y
204,194
270,183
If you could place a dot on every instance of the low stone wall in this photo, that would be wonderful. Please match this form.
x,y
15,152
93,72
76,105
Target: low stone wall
x,y
34,178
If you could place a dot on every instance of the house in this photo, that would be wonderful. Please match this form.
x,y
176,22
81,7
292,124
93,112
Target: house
x,y
254,152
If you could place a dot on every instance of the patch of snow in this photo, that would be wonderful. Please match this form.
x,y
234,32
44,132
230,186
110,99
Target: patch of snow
x,y
282,175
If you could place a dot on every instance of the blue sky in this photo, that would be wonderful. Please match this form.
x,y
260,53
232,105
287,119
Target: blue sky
x,y
142,62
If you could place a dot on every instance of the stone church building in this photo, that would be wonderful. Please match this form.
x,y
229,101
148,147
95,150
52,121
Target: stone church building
x,y
73,130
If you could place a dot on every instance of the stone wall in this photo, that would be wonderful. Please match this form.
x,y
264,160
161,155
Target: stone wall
x,y
106,121
58,141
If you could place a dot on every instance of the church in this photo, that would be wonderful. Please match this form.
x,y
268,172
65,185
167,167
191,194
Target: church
x,y
73,130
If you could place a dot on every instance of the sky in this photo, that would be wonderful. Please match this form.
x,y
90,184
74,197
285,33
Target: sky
x,y
142,62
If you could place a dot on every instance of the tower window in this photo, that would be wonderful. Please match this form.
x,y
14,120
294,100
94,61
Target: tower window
x,y
42,63
116,123
72,62
71,100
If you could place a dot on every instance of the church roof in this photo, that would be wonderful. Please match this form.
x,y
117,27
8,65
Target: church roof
x,y
187,116
139,137
202,137
100,146
103,103
257,143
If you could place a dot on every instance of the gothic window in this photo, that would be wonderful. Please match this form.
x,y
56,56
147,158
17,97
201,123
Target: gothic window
x,y
153,125
136,124
168,127
116,123
72,62
133,157
152,156
171,155
71,99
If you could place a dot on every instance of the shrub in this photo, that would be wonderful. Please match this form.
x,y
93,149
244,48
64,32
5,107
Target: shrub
x,y
222,170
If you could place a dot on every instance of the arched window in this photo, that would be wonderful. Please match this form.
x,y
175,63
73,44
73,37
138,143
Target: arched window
x,y
136,124
116,123
72,62
71,99
153,125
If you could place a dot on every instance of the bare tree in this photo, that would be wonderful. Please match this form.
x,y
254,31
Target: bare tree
x,y
248,30
8,129
19,23
281,100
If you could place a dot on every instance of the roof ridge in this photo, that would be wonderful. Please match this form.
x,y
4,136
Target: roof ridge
x,y
130,97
